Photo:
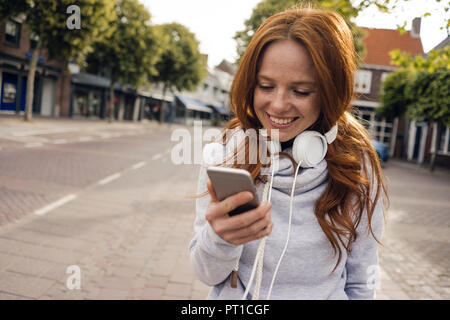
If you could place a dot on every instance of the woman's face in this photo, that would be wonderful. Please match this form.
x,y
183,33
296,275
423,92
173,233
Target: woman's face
x,y
285,96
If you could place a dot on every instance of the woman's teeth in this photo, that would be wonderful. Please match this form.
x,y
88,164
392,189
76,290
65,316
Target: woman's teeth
x,y
282,120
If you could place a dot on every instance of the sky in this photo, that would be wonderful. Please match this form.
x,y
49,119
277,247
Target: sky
x,y
215,22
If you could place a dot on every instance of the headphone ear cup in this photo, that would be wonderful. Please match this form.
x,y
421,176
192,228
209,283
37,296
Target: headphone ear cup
x,y
309,148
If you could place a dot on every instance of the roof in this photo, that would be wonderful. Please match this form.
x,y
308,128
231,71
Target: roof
x,y
443,43
194,104
379,42
219,109
227,67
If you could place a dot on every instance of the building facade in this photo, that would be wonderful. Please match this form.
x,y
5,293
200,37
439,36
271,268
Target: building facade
x,y
51,85
375,67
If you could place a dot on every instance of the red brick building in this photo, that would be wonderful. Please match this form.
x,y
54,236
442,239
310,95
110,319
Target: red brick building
x,y
51,85
368,80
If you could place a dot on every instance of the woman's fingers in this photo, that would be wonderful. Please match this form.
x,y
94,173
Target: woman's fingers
x,y
211,191
263,233
251,230
248,224
248,218
241,228
221,208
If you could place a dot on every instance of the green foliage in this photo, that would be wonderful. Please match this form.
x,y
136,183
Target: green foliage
x,y
267,8
420,88
127,53
180,63
349,9
430,96
436,59
393,97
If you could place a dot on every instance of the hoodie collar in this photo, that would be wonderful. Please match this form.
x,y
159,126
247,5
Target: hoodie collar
x,y
307,178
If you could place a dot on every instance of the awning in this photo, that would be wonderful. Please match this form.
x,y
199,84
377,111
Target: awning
x,y
93,80
194,104
220,110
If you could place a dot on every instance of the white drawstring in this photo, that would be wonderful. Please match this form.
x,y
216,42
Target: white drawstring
x,y
259,259
288,233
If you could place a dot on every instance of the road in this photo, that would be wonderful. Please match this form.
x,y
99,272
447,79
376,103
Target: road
x,y
93,210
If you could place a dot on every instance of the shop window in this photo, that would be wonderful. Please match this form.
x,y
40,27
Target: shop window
x,y
9,93
12,32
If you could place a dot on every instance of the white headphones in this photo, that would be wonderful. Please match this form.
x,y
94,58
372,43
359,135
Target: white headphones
x,y
309,147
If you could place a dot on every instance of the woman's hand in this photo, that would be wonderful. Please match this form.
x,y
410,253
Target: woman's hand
x,y
242,228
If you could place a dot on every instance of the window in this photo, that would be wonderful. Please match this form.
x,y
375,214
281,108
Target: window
x,y
363,80
9,93
444,146
384,75
34,38
12,32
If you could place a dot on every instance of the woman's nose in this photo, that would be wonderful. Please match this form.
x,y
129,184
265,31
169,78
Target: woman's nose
x,y
279,100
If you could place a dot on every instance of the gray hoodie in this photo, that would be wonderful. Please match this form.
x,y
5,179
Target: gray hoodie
x,y
305,271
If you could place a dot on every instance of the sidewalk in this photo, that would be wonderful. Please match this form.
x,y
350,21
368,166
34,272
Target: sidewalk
x,y
129,243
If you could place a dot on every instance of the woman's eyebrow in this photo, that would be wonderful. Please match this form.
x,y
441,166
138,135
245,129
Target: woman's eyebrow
x,y
263,77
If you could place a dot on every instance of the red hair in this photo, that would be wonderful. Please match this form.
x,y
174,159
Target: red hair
x,y
350,192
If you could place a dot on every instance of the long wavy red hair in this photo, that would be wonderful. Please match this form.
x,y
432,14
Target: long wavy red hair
x,y
350,192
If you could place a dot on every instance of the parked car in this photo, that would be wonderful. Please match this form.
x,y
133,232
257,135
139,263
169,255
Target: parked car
x,y
381,149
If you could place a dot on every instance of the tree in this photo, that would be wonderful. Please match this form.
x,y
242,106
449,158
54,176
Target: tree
x,y
349,9
127,54
48,20
267,8
430,93
180,64
393,97
419,89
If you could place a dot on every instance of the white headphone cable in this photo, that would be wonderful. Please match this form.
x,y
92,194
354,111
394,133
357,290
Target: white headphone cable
x,y
288,233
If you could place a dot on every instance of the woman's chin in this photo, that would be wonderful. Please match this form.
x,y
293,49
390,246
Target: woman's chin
x,y
280,135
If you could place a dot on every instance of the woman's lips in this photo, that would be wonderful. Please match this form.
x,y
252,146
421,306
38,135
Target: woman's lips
x,y
279,125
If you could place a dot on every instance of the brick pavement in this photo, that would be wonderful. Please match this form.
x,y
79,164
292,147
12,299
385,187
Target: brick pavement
x,y
129,242
130,239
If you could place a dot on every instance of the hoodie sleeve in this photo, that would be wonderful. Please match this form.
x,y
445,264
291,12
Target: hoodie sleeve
x,y
212,258
362,262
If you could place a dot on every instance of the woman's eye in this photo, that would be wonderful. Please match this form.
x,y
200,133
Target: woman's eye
x,y
265,87
302,93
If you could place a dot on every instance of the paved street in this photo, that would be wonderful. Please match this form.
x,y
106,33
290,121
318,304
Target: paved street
x,y
107,201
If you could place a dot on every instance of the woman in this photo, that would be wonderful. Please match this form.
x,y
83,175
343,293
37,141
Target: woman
x,y
296,76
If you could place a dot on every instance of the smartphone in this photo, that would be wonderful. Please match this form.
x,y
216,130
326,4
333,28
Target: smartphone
x,y
229,181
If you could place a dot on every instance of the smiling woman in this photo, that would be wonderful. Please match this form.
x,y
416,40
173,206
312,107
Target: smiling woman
x,y
296,79
285,97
